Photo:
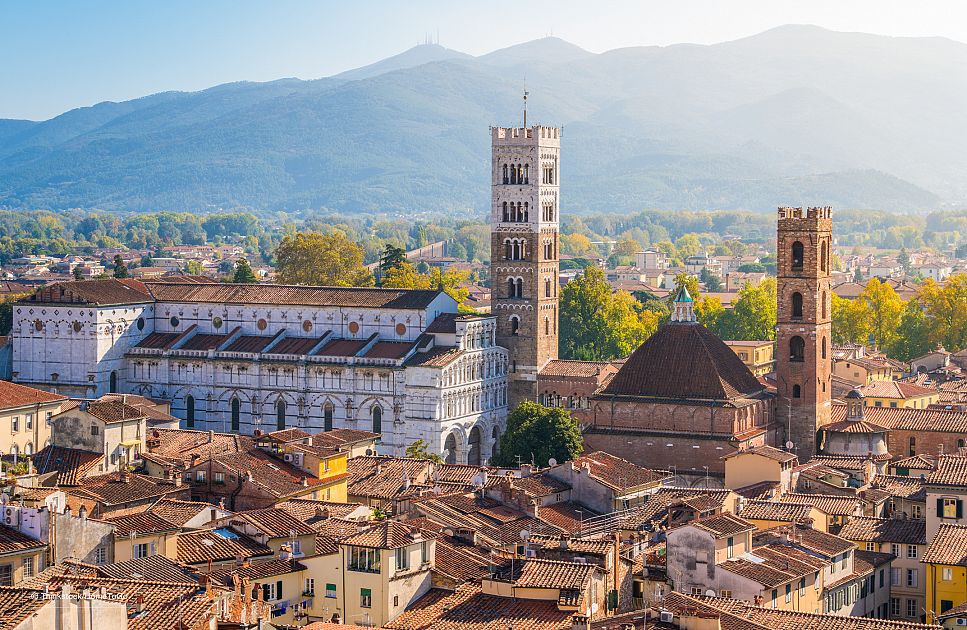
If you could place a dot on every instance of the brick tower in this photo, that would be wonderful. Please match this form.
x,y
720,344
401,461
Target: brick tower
x,y
523,250
803,339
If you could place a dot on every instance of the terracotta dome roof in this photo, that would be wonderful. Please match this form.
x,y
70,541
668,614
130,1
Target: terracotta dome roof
x,y
684,361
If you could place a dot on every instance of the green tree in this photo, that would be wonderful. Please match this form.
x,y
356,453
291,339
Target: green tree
x,y
913,337
451,281
753,314
903,259
884,309
710,313
850,321
243,273
536,434
752,268
146,261
597,324
945,308
120,269
194,268
391,258
713,283
419,450
78,274
688,245
311,258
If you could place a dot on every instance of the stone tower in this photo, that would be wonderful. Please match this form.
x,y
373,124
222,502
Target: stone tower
x,y
523,250
803,340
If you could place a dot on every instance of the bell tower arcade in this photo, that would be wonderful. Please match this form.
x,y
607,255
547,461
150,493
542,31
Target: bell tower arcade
x,y
803,339
524,251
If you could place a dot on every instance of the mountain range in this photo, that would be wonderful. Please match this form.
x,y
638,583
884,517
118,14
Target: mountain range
x,y
794,115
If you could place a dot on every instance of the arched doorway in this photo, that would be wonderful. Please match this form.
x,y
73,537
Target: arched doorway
x,y
473,455
450,449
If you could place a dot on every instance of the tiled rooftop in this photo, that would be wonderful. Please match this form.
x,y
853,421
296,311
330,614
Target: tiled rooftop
x,y
292,295
885,530
949,546
14,395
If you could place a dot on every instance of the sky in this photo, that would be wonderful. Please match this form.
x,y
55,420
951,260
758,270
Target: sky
x,y
55,56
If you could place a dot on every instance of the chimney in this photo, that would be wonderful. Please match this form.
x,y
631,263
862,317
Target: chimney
x,y
248,475
379,466
580,622
123,475
305,481
525,470
211,436
563,541
176,477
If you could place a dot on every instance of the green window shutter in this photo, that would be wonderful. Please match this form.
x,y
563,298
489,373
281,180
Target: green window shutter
x,y
939,508
365,592
960,508
278,589
265,592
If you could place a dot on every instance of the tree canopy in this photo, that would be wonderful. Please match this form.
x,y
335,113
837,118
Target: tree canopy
x,y
451,281
321,259
597,324
243,273
536,434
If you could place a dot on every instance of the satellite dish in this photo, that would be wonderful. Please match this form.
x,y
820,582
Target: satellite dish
x,y
789,444
524,535
369,451
710,593
552,462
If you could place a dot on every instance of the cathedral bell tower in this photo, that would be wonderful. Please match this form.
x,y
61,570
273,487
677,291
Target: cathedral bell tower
x,y
804,311
523,250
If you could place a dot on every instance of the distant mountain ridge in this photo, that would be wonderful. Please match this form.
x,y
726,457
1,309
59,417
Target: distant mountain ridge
x,y
793,115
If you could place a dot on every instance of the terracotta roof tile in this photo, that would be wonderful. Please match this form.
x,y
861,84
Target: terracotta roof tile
x,y
767,576
906,419
540,485
868,529
139,524
734,614
541,573
830,504
157,568
14,395
256,572
949,545
387,535
110,490
107,292
218,545
389,350
723,525
249,343
435,357
17,605
292,295
895,389
951,471
203,341
179,512
616,473
467,608
462,561
576,369
113,411
14,540
775,511
765,451
294,345
274,522
805,537
684,361
70,464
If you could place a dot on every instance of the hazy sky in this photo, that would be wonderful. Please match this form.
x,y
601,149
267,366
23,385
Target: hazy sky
x,y
55,56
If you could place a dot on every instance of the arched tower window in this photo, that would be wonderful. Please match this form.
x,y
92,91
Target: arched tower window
x,y
506,176
514,325
508,250
796,391
824,347
189,411
280,415
913,445
327,411
797,349
526,174
547,325
526,211
113,383
236,414
519,285
824,304
513,174
797,256
797,304
506,216
547,287
511,288
377,419
825,257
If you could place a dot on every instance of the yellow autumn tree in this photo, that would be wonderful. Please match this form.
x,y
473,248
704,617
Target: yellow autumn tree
x,y
450,281
331,260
